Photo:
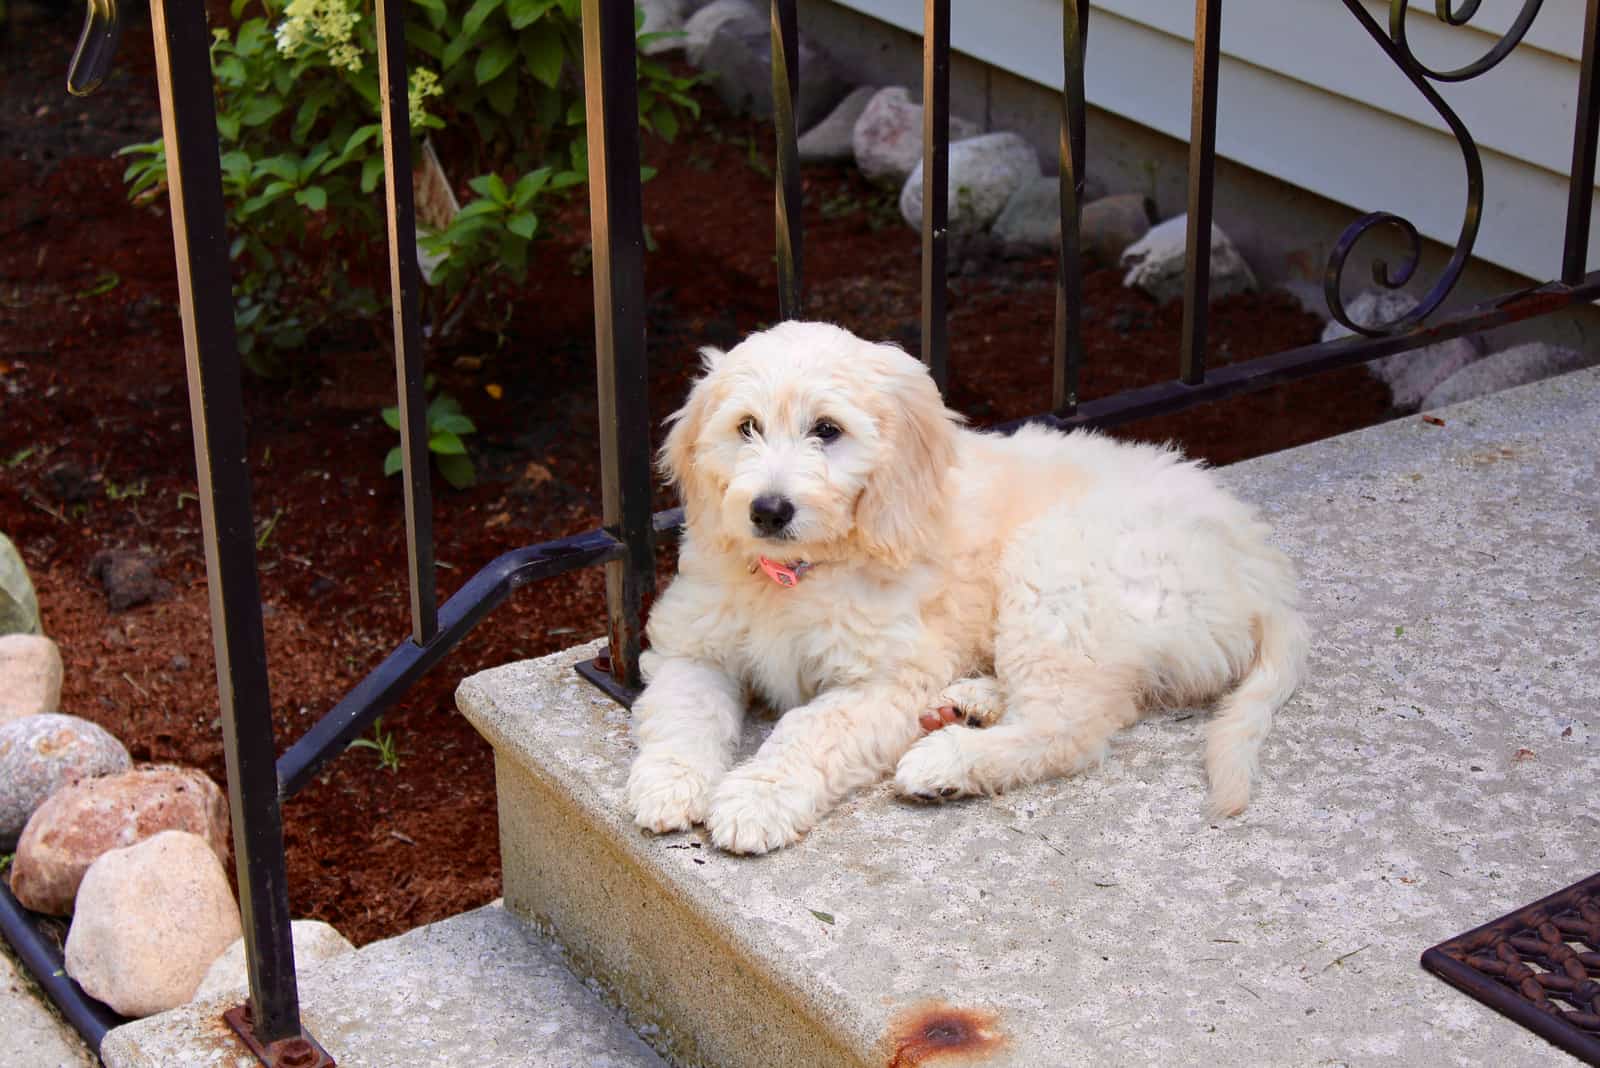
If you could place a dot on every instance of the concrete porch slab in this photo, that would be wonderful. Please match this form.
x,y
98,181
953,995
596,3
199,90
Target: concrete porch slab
x,y
1436,770
481,989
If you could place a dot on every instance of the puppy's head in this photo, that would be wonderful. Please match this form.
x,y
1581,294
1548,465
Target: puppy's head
x,y
806,443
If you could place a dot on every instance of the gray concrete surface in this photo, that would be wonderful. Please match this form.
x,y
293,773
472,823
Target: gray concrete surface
x,y
481,989
1435,771
31,1034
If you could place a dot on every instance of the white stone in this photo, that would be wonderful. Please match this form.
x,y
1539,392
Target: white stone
x,y
704,24
150,921
1155,263
887,139
662,16
985,172
314,941
1410,376
19,608
738,64
832,139
1515,366
83,820
30,676
41,754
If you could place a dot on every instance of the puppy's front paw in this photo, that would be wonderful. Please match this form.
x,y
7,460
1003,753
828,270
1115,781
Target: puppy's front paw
x,y
757,812
938,767
976,702
665,794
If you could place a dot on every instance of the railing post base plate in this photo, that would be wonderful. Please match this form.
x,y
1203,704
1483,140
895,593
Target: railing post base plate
x,y
301,1052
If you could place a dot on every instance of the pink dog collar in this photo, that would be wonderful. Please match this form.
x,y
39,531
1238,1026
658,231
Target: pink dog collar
x,y
786,575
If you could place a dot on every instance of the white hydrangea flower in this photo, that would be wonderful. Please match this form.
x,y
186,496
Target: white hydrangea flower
x,y
329,24
423,84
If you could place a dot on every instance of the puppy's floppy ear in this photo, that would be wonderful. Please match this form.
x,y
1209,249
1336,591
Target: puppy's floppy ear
x,y
676,459
899,512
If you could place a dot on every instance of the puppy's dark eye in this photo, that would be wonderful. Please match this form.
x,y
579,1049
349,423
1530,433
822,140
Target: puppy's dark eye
x,y
826,430
749,429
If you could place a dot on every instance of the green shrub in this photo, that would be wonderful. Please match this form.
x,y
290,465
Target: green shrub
x,y
497,82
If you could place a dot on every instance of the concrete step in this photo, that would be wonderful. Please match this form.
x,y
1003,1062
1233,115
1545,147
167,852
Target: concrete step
x,y
1434,772
482,989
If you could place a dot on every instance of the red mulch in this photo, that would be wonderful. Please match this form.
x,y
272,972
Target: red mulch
x,y
92,376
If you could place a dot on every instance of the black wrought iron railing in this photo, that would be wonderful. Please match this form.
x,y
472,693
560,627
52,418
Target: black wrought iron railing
x,y
259,780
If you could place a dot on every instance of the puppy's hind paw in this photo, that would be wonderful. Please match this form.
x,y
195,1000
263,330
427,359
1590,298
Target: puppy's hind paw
x,y
938,768
976,702
665,794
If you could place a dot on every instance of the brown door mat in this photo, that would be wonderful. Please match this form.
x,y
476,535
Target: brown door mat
x,y
1539,965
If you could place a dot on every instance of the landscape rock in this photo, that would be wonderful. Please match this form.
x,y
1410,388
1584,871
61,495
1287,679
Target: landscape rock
x,y
738,61
833,139
128,575
1410,376
41,754
150,920
985,172
663,16
314,941
30,676
19,608
1516,366
703,25
83,820
1155,263
887,139
1031,222
69,483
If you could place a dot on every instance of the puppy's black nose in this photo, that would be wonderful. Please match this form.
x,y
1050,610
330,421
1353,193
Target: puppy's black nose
x,y
771,514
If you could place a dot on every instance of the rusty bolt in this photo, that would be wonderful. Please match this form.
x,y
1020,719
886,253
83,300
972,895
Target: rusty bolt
x,y
294,1053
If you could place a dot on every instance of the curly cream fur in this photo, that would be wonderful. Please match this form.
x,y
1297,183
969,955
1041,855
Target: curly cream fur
x,y
1083,580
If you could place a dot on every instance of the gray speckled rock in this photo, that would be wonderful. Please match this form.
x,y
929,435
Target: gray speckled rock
x,y
85,819
703,25
1031,222
1155,263
1515,366
738,62
41,754
832,139
30,676
887,139
1410,376
314,942
663,16
19,608
985,172
150,921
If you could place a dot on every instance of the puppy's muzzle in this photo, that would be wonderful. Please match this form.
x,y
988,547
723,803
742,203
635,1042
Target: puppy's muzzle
x,y
770,515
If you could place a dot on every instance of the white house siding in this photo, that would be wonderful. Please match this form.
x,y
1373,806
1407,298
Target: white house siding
x,y
1309,98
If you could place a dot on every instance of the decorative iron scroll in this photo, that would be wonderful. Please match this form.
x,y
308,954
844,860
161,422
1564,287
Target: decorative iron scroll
x,y
1396,46
97,47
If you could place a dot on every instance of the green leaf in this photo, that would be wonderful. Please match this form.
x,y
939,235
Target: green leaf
x,y
457,470
523,224
825,917
524,13
446,444
362,135
665,123
528,187
455,50
443,404
423,39
391,417
228,127
436,6
260,109
502,93
542,49
476,14
484,206
314,197
494,60
371,171
285,167
455,423
392,463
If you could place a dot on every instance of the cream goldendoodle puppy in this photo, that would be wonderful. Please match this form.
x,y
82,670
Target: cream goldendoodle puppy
x,y
856,559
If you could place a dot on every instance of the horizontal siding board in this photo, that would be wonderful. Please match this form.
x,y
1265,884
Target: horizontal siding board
x,y
1333,117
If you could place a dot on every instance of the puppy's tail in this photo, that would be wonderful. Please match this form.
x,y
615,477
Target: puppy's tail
x,y
1244,716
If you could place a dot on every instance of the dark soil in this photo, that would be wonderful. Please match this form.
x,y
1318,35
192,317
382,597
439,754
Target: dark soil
x,y
95,449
